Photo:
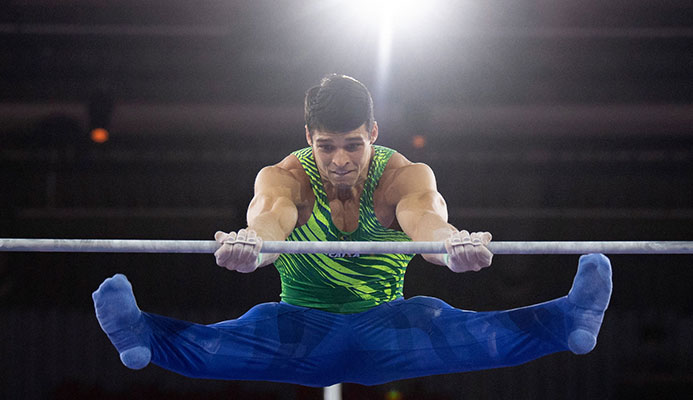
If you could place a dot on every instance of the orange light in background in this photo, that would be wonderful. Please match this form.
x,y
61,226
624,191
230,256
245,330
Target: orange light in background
x,y
393,395
418,141
99,135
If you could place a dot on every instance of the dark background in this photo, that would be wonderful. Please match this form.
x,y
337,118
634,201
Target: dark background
x,y
543,120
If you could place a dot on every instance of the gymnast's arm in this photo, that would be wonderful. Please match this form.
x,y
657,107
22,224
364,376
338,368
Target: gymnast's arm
x,y
272,215
272,212
422,214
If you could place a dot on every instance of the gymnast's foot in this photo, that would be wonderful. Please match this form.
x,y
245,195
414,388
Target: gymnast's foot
x,y
122,321
588,298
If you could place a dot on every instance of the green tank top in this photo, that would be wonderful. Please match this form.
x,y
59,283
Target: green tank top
x,y
343,283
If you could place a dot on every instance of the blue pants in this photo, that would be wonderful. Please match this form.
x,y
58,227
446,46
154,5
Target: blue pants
x,y
397,340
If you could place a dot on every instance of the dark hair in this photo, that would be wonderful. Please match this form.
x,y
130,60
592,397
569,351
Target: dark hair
x,y
339,104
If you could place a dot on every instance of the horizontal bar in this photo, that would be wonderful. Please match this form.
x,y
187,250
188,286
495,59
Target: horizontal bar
x,y
109,245
210,246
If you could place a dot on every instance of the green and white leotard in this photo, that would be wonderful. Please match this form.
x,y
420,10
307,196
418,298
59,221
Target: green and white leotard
x,y
343,283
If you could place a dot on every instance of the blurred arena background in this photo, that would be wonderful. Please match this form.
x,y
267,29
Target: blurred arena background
x,y
543,120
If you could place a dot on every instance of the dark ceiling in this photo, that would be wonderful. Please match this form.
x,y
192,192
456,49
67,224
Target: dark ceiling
x,y
229,63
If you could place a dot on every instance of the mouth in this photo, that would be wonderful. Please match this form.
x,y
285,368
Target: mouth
x,y
342,173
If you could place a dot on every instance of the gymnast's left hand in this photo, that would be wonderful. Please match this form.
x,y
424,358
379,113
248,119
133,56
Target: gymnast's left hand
x,y
239,251
468,252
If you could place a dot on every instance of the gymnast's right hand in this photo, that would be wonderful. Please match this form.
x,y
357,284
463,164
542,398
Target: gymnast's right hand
x,y
239,251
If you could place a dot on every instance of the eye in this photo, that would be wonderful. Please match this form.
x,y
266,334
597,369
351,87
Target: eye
x,y
326,147
354,146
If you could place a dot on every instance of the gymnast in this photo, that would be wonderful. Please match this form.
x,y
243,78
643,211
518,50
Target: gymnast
x,y
342,317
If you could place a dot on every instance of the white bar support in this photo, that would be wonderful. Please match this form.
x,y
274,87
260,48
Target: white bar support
x,y
333,392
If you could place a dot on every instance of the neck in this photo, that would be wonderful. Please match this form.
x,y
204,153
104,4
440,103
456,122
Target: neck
x,y
344,193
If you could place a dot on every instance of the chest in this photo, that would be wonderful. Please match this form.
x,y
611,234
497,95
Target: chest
x,y
345,214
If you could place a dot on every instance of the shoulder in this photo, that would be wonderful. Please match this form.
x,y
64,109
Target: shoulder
x,y
286,174
402,177
400,170
289,165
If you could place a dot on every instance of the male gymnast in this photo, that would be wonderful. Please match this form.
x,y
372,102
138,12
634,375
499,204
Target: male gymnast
x,y
342,317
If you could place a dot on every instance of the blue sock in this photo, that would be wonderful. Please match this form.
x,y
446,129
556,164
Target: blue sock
x,y
123,321
588,299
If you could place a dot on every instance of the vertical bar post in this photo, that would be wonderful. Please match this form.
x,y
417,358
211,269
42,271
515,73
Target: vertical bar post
x,y
333,392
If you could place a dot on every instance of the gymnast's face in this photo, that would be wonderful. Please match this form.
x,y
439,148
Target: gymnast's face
x,y
343,158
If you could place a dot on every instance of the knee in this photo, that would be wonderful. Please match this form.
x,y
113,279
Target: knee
x,y
260,311
430,302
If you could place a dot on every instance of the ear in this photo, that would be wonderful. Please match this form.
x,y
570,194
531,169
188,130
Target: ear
x,y
374,132
309,139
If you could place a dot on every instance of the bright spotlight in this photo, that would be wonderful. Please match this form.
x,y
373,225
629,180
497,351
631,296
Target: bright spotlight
x,y
395,12
393,20
402,10
393,27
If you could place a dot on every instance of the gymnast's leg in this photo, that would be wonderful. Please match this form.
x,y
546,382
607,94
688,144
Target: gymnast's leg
x,y
273,341
425,336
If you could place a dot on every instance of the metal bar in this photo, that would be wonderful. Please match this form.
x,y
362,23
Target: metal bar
x,y
210,246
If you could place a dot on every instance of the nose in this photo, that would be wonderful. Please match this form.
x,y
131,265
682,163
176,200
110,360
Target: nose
x,y
341,158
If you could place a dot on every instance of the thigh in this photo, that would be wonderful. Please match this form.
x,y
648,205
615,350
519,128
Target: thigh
x,y
416,323
281,329
423,336
272,341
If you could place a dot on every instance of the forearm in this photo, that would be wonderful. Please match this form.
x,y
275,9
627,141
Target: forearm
x,y
465,251
268,227
275,224
267,232
424,218
422,214
433,228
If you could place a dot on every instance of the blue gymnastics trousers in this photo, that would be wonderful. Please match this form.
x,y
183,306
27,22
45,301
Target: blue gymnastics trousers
x,y
401,339
396,340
